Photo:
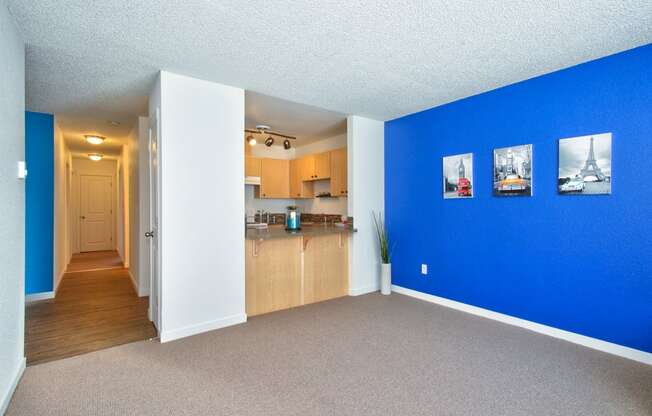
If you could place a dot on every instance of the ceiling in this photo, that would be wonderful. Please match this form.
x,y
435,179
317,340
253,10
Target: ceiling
x,y
307,123
98,60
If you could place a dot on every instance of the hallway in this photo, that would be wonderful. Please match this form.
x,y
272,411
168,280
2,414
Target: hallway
x,y
94,260
93,310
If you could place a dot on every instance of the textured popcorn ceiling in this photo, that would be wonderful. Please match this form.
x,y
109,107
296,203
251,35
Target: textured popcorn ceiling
x,y
381,59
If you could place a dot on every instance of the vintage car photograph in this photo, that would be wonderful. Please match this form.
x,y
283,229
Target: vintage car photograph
x,y
585,165
513,171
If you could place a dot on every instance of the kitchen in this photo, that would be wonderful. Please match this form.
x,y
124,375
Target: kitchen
x,y
296,189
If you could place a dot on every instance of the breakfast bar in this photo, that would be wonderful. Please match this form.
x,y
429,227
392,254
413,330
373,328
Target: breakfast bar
x,y
287,269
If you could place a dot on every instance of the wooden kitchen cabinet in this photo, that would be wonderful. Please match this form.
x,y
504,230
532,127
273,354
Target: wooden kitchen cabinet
x,y
272,275
299,188
274,178
323,165
315,167
252,166
326,267
339,173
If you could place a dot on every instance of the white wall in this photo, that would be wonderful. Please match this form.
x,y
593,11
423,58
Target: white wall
x,y
61,247
325,145
276,206
202,206
12,206
272,152
366,180
324,205
140,211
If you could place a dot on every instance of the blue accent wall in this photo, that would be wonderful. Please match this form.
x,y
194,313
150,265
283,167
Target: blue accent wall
x,y
39,202
579,263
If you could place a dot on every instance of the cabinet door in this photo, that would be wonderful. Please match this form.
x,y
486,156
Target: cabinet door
x,y
326,267
272,275
299,188
307,168
275,178
295,179
252,166
323,165
339,173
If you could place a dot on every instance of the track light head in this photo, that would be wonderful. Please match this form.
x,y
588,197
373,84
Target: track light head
x,y
286,144
269,141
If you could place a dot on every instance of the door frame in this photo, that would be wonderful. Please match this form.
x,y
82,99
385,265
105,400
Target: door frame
x,y
155,277
111,216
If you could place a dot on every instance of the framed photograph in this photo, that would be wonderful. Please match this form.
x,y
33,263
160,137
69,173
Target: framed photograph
x,y
458,176
513,171
585,165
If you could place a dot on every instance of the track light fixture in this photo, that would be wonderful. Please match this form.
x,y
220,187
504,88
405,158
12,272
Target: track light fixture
x,y
265,130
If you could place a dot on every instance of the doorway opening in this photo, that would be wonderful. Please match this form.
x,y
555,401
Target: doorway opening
x,y
100,276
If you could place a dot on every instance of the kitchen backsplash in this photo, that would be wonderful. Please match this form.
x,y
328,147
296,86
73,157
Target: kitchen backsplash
x,y
277,218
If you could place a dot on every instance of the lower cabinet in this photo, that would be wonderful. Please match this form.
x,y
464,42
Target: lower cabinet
x,y
272,275
288,272
326,267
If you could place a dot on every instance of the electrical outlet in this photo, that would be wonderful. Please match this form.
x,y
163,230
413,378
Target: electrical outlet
x,y
424,269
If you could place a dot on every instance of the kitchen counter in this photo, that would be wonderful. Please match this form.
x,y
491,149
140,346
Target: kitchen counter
x,y
278,231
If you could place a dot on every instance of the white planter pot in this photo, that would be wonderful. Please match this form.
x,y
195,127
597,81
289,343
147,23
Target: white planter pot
x,y
386,279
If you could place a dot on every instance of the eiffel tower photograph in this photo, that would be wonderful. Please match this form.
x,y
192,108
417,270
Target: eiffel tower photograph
x,y
585,165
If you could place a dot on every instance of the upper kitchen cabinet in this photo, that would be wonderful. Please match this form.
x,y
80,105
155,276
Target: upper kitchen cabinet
x,y
274,178
338,168
299,188
252,166
315,167
323,165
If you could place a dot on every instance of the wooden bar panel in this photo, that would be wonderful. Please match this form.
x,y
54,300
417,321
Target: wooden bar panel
x,y
273,275
326,268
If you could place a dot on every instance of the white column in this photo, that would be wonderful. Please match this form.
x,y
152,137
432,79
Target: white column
x,y
202,206
366,182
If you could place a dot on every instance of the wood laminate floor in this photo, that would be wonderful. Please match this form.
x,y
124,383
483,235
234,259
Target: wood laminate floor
x,y
94,260
92,311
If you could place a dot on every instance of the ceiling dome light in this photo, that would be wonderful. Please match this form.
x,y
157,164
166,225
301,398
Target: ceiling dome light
x,y
95,157
93,139
269,141
286,144
251,141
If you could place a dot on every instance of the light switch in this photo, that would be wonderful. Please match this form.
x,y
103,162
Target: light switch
x,y
22,169
424,269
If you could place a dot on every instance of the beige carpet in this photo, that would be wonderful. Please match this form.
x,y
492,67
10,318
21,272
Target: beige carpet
x,y
370,355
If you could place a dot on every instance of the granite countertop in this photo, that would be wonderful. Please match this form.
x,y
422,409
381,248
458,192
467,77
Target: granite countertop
x,y
278,231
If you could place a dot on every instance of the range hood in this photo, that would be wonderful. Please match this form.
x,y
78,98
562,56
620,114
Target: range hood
x,y
252,180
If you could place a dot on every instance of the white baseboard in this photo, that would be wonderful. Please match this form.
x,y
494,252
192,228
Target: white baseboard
x,y
34,297
187,331
364,290
134,283
142,292
593,343
58,282
6,396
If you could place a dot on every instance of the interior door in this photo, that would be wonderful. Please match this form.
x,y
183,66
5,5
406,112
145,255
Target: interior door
x,y
154,233
96,212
